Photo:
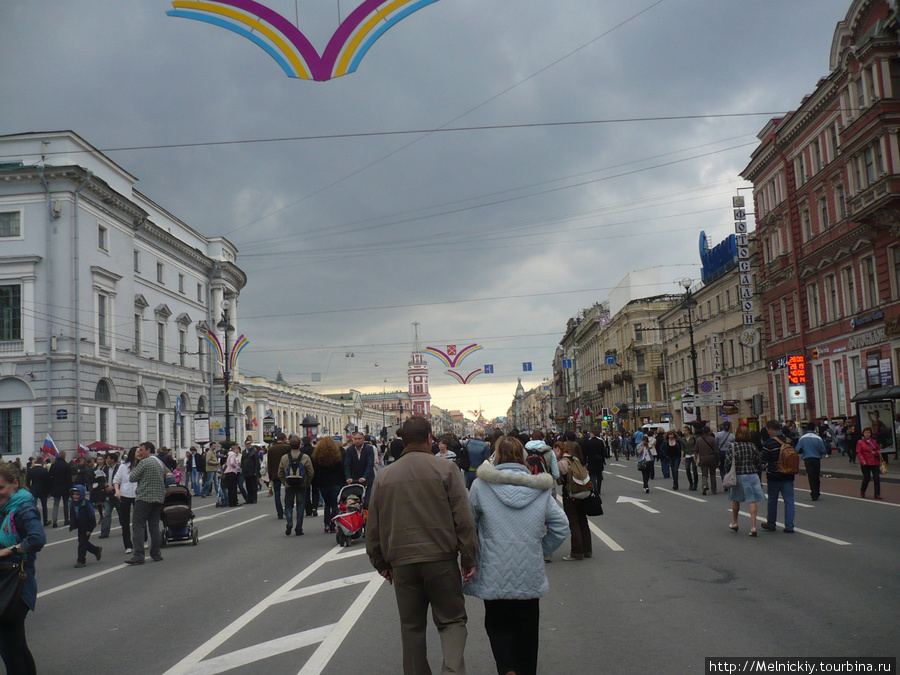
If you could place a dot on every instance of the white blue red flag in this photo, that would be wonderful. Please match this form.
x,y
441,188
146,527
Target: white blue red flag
x,y
50,447
83,451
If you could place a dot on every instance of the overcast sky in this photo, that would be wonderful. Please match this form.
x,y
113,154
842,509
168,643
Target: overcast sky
x,y
490,236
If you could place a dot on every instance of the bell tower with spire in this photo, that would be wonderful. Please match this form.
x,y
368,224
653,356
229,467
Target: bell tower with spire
x,y
417,373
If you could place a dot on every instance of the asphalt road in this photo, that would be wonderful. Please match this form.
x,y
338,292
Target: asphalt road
x,y
669,584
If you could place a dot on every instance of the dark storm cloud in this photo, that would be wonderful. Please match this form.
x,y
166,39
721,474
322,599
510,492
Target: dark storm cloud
x,y
364,223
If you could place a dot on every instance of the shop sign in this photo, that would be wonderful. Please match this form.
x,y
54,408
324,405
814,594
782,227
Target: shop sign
x,y
856,322
870,339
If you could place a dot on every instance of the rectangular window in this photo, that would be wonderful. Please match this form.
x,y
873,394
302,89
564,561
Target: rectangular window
x,y
11,431
10,225
640,363
102,238
870,283
182,347
841,200
894,262
851,303
161,341
199,292
823,213
831,300
201,354
812,301
160,273
181,283
137,260
642,393
817,155
102,320
819,382
11,312
785,330
840,393
137,334
834,141
869,163
857,376
638,334
104,425
807,225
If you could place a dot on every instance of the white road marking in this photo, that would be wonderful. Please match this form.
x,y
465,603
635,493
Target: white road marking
x,y
330,644
683,495
808,533
189,664
600,534
641,503
327,586
633,480
263,650
90,577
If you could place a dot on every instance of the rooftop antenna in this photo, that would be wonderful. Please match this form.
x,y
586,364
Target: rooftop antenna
x,y
416,348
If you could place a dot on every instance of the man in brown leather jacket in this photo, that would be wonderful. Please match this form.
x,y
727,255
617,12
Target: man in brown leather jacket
x,y
420,520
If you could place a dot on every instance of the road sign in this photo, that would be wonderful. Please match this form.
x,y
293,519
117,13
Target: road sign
x,y
615,410
706,386
488,369
610,359
526,367
706,400
567,363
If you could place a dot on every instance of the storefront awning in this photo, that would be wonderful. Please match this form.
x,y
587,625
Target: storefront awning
x,y
879,394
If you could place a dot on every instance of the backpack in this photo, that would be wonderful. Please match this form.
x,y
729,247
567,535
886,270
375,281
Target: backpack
x,y
788,459
462,457
249,463
295,474
578,481
536,462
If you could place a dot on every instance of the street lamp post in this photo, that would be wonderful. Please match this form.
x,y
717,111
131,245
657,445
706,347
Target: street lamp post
x,y
228,330
689,304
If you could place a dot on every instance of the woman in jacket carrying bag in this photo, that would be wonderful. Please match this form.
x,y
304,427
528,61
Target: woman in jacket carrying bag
x,y
512,508
707,458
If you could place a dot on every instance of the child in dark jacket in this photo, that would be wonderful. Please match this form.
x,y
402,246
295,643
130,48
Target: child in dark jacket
x,y
83,519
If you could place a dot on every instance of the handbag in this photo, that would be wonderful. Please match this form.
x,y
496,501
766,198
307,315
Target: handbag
x,y
884,468
592,505
12,580
729,480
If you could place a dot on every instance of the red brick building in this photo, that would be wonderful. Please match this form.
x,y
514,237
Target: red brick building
x,y
826,190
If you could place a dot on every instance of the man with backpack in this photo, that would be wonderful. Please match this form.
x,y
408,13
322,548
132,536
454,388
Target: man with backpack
x,y
295,472
778,455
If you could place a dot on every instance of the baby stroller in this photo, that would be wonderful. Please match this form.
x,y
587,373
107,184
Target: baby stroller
x,y
351,518
177,517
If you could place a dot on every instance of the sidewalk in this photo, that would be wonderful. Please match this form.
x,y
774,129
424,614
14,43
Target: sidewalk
x,y
840,467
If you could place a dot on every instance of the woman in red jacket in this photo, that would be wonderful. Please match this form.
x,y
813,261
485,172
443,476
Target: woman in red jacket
x,y
869,454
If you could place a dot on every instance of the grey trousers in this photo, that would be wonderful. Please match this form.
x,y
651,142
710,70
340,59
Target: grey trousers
x,y
438,584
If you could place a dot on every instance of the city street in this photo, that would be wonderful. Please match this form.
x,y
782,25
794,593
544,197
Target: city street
x,y
669,584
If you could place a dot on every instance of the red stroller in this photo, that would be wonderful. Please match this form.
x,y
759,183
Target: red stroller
x,y
351,518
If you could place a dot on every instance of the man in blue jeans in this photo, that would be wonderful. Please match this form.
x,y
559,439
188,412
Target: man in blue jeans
x,y
211,486
778,483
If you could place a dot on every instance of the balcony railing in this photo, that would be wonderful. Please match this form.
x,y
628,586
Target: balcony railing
x,y
11,347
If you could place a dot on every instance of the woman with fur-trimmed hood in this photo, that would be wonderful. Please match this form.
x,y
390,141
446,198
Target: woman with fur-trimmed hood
x,y
512,508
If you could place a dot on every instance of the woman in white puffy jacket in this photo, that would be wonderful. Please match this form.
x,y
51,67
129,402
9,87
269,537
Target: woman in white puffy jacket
x,y
512,508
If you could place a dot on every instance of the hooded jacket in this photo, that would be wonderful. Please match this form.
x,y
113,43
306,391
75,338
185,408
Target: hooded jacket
x,y
512,508
81,515
549,456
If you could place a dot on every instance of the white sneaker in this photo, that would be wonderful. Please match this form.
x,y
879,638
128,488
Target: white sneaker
x,y
128,551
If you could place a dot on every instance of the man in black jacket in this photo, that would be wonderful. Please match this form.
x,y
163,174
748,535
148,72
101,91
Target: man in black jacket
x,y
37,480
60,484
359,464
595,454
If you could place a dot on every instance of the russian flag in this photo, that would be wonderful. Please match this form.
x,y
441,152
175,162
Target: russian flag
x,y
50,447
83,451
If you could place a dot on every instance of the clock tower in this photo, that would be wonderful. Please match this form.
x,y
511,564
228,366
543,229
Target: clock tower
x,y
417,372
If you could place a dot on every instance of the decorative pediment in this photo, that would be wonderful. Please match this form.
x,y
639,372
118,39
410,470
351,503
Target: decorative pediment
x,y
140,302
183,320
162,311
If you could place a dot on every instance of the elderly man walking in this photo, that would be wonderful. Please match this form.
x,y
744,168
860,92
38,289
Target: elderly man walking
x,y
420,520
150,476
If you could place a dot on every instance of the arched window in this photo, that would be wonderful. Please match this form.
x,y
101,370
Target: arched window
x,y
161,400
141,398
102,392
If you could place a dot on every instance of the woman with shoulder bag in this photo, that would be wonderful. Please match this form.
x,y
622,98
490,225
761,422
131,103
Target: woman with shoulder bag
x,y
581,545
21,537
745,457
644,457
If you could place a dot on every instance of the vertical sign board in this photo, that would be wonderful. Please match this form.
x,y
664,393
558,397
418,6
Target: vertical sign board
x,y
750,336
201,429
